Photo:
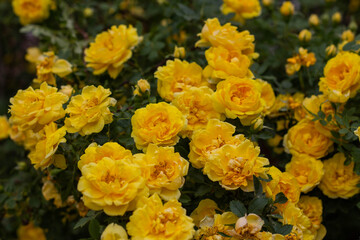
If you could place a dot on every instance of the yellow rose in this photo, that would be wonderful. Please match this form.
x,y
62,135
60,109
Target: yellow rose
x,y
287,8
179,52
4,127
164,171
341,79
268,95
50,65
111,50
314,104
114,232
336,17
227,36
155,220
223,63
32,11
94,153
157,123
357,132
312,207
31,109
234,166
307,170
331,50
34,55
68,90
143,85
243,9
339,180
206,208
305,138
30,232
176,76
89,112
112,184
314,20
212,227
50,192
239,97
43,153
197,106
305,35
348,36
205,141
282,182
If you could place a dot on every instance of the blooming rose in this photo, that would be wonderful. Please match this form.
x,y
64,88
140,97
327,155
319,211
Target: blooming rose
x,y
247,227
30,232
157,123
50,65
267,94
223,63
155,220
214,226
89,112
32,11
239,97
4,127
43,153
110,183
305,138
287,8
206,208
243,9
176,76
339,180
234,166
31,109
205,141
164,171
341,79
114,232
307,170
197,106
111,50
227,36
282,182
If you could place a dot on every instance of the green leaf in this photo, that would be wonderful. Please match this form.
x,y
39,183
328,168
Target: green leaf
x,y
280,198
94,229
321,114
284,230
238,208
202,190
343,131
257,205
257,186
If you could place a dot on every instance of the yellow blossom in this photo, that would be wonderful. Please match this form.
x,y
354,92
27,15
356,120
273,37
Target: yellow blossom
x,y
339,180
176,76
287,8
239,98
268,95
43,154
348,36
34,55
50,192
282,182
234,166
4,127
111,183
341,79
197,106
89,112
32,109
227,36
164,171
88,12
247,227
305,35
331,50
179,52
32,11
30,232
206,208
314,20
336,17
305,138
307,170
141,87
112,49
157,123
357,132
153,220
223,63
68,90
243,9
205,141
212,227
312,207
114,232
50,65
